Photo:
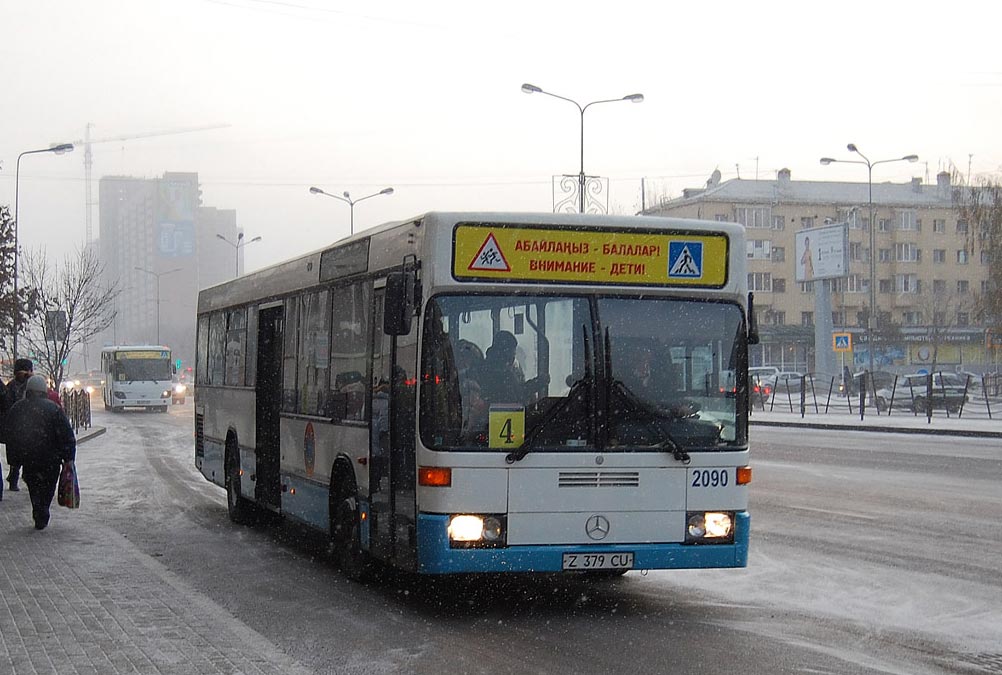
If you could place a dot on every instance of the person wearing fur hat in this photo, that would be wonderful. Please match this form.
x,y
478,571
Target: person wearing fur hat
x,y
42,439
23,369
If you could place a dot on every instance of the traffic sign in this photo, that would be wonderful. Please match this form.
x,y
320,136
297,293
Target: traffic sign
x,y
842,342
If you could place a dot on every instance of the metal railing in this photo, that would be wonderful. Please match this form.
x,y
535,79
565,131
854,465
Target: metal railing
x,y
821,393
76,405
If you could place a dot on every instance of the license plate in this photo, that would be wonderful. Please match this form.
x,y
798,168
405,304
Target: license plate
x,y
142,402
598,561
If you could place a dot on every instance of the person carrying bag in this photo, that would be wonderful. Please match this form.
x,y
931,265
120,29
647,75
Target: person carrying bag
x,y
40,435
68,492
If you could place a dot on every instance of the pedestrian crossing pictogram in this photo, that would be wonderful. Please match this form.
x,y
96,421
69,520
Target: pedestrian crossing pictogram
x,y
489,258
685,259
841,342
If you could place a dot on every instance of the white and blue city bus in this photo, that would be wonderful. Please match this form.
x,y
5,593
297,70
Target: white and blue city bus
x,y
136,376
490,392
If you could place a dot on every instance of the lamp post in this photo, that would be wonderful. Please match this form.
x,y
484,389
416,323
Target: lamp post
x,y
634,98
58,150
351,202
871,315
236,248
158,275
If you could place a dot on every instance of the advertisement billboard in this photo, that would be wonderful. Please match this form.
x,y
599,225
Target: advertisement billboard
x,y
822,253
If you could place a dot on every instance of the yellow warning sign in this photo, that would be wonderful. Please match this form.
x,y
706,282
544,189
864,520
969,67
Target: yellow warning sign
x,y
506,426
539,254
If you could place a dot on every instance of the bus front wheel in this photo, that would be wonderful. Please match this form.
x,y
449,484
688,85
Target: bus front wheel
x,y
346,539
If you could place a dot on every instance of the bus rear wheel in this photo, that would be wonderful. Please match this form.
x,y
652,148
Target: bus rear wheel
x,y
239,509
346,539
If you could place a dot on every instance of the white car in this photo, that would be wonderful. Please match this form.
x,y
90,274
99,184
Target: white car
x,y
787,381
949,392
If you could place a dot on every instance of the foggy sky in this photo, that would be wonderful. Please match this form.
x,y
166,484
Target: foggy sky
x,y
425,97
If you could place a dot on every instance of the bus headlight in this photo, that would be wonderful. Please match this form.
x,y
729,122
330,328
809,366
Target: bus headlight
x,y
476,531
710,527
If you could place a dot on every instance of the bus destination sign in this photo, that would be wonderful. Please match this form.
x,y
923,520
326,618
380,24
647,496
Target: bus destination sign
x,y
535,254
144,354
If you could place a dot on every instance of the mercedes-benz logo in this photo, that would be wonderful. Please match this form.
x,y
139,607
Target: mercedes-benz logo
x,y
597,527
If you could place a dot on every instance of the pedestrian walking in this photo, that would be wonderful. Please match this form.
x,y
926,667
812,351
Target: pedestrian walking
x,y
3,413
37,430
23,369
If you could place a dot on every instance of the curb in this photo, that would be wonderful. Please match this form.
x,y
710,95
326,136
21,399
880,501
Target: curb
x,y
90,433
968,433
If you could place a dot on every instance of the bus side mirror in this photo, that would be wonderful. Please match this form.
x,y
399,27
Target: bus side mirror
x,y
753,336
398,309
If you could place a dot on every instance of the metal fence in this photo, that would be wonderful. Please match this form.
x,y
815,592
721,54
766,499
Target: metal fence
x,y
820,393
76,405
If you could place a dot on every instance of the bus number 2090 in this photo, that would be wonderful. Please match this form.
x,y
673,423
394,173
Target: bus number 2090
x,y
709,478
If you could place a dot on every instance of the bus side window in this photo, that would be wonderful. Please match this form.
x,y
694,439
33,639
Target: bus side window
x,y
352,314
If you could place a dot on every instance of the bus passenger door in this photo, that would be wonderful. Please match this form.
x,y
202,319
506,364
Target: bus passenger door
x,y
392,477
268,394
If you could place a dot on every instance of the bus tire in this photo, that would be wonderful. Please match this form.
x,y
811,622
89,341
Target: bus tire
x,y
346,539
240,510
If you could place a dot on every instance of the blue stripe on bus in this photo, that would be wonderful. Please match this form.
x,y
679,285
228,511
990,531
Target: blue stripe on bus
x,y
310,502
436,557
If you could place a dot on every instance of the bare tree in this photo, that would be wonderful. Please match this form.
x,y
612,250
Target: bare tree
x,y
940,309
979,203
75,289
7,300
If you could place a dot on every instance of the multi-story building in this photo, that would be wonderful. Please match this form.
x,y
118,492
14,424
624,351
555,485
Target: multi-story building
x,y
159,246
928,273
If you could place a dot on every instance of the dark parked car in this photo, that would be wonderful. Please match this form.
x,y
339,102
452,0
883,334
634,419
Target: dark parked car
x,y
761,388
881,380
912,393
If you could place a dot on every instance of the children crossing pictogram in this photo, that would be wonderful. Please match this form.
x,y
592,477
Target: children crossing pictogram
x,y
685,259
489,258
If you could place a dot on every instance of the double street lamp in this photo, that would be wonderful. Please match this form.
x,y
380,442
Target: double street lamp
x,y
55,149
634,98
236,248
351,202
871,314
158,275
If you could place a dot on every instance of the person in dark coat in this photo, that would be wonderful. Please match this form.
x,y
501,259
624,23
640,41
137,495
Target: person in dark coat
x,y
23,369
42,438
3,413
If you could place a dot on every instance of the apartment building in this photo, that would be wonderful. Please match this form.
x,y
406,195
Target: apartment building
x,y
928,272
159,246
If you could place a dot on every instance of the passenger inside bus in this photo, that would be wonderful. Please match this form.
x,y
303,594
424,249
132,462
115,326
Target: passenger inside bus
x,y
470,367
502,380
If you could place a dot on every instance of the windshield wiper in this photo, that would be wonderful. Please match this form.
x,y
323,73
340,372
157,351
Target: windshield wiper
x,y
551,414
651,416
548,417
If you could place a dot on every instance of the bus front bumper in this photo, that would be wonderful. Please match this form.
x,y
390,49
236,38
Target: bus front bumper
x,y
435,556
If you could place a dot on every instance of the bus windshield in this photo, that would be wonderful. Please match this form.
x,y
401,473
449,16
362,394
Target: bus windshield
x,y
574,372
133,370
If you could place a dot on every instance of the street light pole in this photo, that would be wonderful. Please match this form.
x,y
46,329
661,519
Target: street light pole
x,y
58,150
158,275
871,315
634,98
351,202
236,249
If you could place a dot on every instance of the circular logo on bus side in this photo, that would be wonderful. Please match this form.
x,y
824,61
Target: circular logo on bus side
x,y
309,449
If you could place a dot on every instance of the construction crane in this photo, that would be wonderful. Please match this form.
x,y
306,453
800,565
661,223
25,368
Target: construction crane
x,y
87,141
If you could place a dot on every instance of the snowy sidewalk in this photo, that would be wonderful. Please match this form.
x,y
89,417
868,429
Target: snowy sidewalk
x,y
80,598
